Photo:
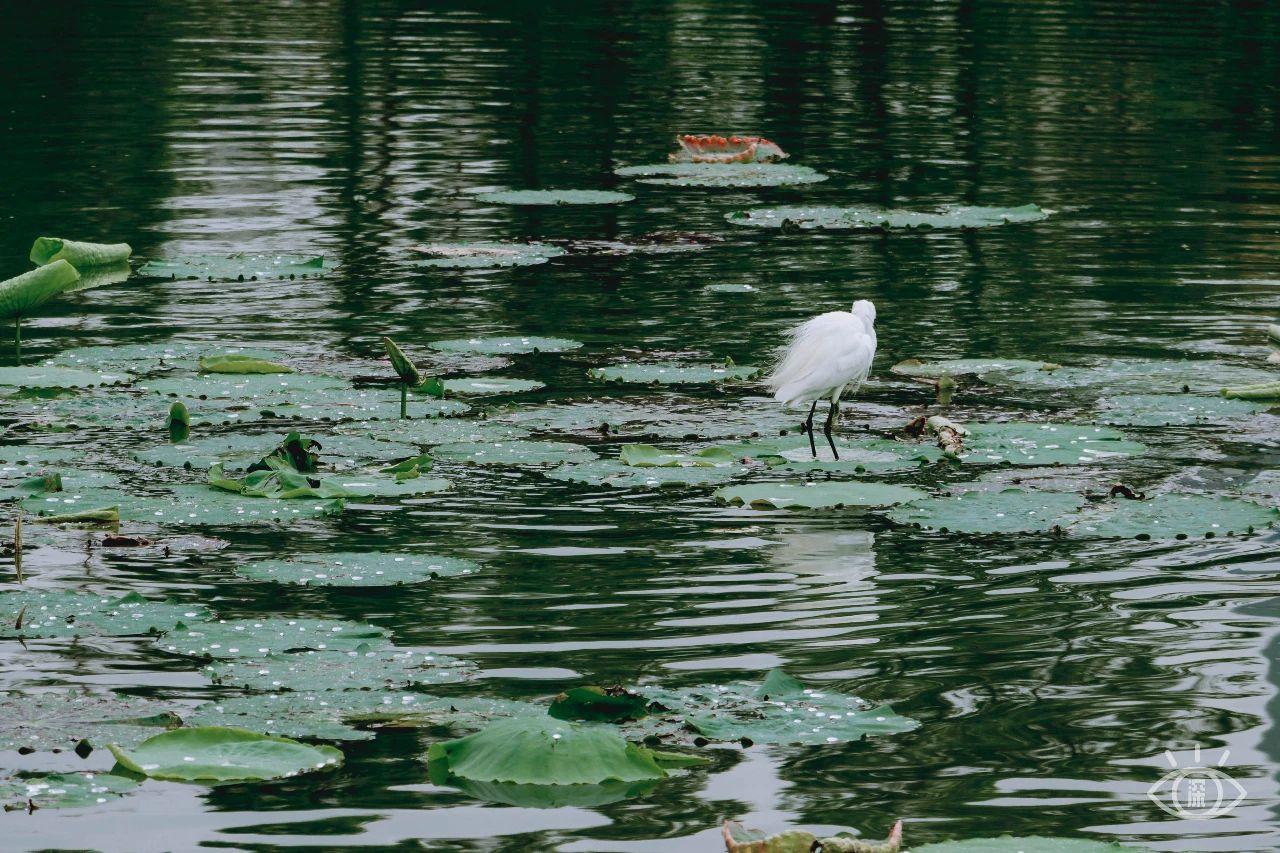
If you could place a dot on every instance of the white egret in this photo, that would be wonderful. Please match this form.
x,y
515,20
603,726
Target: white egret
x,y
827,357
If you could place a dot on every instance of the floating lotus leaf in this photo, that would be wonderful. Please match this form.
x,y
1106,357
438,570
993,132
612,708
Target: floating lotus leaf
x,y
648,456
365,404
870,218
26,460
62,790
22,294
358,669
223,754
1005,511
1173,409
238,267
182,506
54,481
917,369
721,174
663,419
57,377
653,243
487,255
731,288
337,452
781,709
140,359
252,638
831,494
1138,376
1028,844
543,751
1017,443
379,485
238,364
426,433
513,453
610,472
369,568
510,345
46,250
32,613
792,452
674,374
1173,516
554,197
247,388
122,409
58,721
491,385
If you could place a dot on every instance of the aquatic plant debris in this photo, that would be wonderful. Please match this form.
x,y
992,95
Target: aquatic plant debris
x,y
223,754
869,218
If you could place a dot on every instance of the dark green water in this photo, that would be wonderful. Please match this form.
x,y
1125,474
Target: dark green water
x,y
1049,675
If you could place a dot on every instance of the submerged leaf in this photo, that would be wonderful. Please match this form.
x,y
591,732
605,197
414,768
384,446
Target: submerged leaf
x,y
1173,409
222,754
47,250
869,218
599,704
1005,511
1173,516
1017,443
370,568
490,385
917,369
57,377
1029,844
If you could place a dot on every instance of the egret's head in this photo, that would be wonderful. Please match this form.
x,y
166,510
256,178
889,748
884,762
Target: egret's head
x,y
865,309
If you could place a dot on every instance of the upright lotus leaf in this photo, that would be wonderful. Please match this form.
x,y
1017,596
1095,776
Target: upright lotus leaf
x,y
510,345
543,751
223,754
58,721
781,709
553,197
247,638
870,218
1155,410
57,377
1261,391
356,569
362,668
1017,443
534,453
487,255
62,790
611,472
1173,516
179,422
674,374
599,705
278,481
1028,844
403,366
1005,511
238,267
831,494
34,613
22,294
648,456
932,370
238,364
721,174
480,385
47,250
298,453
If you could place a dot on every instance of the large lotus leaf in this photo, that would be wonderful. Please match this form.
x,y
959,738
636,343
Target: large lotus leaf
x,y
648,456
24,293
184,505
1017,443
1005,511
553,197
486,255
510,345
251,638
57,721
141,359
357,485
1174,409
62,790
792,452
237,267
356,669
870,218
781,709
479,385
917,369
1138,376
665,419
223,754
1028,844
831,494
610,472
248,388
721,174
674,374
1173,516
33,613
137,412
513,453
367,568
57,377
46,250
337,452
543,751
427,433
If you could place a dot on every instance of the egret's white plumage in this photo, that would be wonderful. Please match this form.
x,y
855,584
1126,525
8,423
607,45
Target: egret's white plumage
x,y
826,358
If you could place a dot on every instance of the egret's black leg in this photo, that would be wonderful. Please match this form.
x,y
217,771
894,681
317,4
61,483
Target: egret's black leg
x,y
826,430
808,427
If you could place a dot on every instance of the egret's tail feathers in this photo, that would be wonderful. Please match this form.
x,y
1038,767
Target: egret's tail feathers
x,y
797,362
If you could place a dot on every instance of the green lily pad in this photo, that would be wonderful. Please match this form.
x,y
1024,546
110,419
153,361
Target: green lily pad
x,y
917,369
833,494
513,453
721,174
1005,511
1138,376
792,453
1173,516
356,669
610,472
359,486
1017,443
370,568
480,385
246,388
142,359
554,197
487,255
55,480
509,345
251,638
223,754
363,404
674,374
22,294
870,218
239,364
58,377
648,456
183,505
1173,410
781,709
337,452
62,790
58,721
1028,844
31,613
430,432
239,266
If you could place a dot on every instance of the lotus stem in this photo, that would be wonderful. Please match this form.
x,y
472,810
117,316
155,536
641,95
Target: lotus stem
x,y
404,400
17,546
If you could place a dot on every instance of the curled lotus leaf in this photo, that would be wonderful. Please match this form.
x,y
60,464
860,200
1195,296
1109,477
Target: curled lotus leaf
x,y
81,255
877,219
1017,443
1156,410
251,638
223,754
22,294
368,568
1003,511
721,174
361,668
238,266
240,364
610,472
62,790
917,369
832,494
34,613
1258,391
58,721
482,385
553,197
674,374
518,452
508,345
487,255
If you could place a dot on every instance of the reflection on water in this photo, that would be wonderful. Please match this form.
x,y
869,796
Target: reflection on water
x,y
1050,676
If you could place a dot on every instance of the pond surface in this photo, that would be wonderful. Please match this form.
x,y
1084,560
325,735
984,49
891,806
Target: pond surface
x,y
1049,674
